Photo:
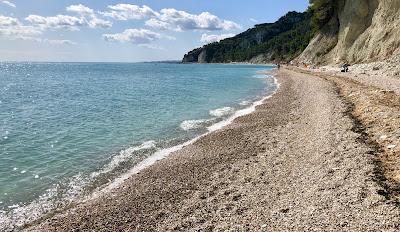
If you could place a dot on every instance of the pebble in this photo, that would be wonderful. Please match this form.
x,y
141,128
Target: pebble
x,y
391,146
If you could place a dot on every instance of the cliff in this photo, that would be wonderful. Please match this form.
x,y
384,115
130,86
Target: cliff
x,y
354,31
268,42
360,31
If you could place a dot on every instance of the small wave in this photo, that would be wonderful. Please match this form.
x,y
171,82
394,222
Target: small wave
x,y
264,74
193,124
222,111
59,196
123,156
158,155
245,111
260,76
245,103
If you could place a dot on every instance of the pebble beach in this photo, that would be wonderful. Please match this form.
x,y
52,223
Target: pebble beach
x,y
300,162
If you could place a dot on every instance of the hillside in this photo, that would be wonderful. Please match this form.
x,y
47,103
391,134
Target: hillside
x,y
269,42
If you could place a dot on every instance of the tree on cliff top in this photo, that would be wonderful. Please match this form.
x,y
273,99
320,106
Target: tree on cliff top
x,y
322,11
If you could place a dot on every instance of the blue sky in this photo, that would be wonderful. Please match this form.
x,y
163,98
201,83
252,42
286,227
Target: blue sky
x,y
125,31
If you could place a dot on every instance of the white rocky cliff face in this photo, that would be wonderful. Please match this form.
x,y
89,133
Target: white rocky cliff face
x,y
361,31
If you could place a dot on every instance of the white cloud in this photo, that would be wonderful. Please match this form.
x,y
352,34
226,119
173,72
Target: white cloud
x,y
96,22
58,42
19,32
8,21
158,24
205,38
56,22
253,20
49,41
89,17
183,21
169,19
69,22
12,28
135,36
129,11
151,46
83,16
8,3
80,9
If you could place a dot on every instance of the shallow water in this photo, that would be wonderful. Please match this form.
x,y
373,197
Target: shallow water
x,y
68,128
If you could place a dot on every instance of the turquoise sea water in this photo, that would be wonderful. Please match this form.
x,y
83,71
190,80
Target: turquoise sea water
x,y
68,128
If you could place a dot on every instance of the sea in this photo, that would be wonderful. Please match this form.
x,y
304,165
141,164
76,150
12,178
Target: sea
x,y
69,130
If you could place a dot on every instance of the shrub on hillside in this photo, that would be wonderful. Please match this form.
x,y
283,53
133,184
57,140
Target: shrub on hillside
x,y
322,11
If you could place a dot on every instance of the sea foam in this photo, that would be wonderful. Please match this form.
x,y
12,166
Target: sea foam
x,y
192,124
123,156
245,103
195,124
222,111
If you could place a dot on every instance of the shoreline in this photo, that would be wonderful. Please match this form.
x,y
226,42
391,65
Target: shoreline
x,y
242,177
159,155
165,152
234,63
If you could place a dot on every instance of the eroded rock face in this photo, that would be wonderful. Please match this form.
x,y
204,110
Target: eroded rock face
x,y
193,56
202,58
361,31
354,20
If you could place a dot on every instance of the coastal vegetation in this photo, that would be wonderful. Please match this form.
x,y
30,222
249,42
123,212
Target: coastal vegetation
x,y
279,41
321,11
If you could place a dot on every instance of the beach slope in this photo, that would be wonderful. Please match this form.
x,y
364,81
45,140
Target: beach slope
x,y
298,163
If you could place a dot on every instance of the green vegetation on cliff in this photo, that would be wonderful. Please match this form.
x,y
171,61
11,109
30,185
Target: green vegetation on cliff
x,y
322,11
269,42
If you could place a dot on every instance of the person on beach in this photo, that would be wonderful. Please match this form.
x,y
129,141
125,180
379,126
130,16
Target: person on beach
x,y
345,67
279,66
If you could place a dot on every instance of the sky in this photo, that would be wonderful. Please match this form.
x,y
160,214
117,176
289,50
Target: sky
x,y
125,31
